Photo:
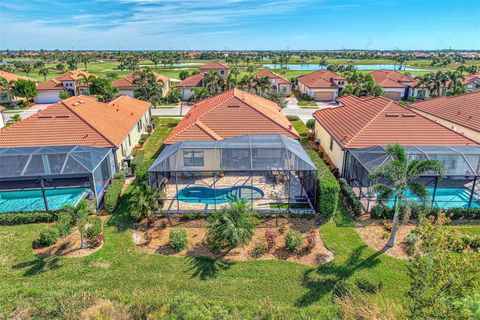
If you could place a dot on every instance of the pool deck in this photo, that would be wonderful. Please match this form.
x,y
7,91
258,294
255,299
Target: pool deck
x,y
274,192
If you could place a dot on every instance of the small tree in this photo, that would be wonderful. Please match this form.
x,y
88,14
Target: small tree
x,y
402,174
25,89
102,88
64,94
231,227
145,202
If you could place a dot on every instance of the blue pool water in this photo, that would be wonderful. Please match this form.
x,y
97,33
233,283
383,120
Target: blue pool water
x,y
358,66
211,196
448,198
30,200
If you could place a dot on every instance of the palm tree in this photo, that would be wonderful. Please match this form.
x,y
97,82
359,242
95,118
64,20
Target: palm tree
x,y
44,72
213,81
146,202
231,227
235,72
456,91
112,76
147,86
7,88
85,59
262,85
247,82
80,217
402,173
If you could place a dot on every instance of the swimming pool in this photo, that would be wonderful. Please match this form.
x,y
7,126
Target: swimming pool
x,y
32,200
211,196
448,198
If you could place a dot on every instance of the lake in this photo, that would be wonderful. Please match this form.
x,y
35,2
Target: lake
x,y
358,66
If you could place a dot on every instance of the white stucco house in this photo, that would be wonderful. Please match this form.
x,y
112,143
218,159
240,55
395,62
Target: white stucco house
x,y
322,85
279,83
70,81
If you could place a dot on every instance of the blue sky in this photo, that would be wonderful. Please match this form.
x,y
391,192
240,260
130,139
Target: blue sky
x,y
239,24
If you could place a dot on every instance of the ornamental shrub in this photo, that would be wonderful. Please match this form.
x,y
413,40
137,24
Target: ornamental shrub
x,y
310,124
475,243
112,196
293,118
270,238
259,249
294,241
93,233
8,219
64,223
48,237
178,239
311,238
350,199
327,189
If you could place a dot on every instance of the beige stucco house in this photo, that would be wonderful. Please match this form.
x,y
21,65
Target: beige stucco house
x,y
322,85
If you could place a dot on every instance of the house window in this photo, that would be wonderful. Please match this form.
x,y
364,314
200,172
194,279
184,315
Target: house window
x,y
139,125
222,72
129,140
193,158
331,144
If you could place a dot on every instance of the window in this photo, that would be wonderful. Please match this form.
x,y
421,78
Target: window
x,y
129,141
331,143
222,72
193,158
139,125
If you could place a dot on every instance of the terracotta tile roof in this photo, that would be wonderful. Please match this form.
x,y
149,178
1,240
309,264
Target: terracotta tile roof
x,y
127,81
320,79
56,83
471,77
213,66
230,114
272,76
392,79
192,81
378,121
13,77
463,110
79,120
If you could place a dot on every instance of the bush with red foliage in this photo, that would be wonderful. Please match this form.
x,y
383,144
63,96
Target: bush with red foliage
x,y
311,240
270,237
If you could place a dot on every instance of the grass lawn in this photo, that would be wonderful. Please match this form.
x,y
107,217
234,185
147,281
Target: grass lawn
x,y
56,286
302,130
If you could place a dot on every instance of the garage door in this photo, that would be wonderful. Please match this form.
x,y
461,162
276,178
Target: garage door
x,y
393,95
324,96
47,96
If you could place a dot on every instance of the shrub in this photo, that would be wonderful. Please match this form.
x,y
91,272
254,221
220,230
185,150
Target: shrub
x,y
259,249
475,243
27,217
143,138
412,238
64,223
306,97
381,212
327,189
293,118
350,199
178,239
93,233
310,124
311,238
368,286
293,241
48,237
384,212
112,196
270,238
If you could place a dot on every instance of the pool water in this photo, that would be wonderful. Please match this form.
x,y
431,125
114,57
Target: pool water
x,y
211,196
32,200
448,198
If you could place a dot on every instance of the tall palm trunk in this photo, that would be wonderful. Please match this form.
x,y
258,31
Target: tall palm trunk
x,y
395,222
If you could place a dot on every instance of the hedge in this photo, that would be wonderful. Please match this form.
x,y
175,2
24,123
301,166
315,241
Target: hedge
x,y
328,188
112,196
383,212
350,199
13,218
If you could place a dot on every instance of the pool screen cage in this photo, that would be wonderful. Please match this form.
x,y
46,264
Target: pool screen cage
x,y
460,187
272,172
55,167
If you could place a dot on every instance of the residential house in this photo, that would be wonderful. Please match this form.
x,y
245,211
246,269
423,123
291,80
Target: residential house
x,y
126,84
230,114
472,82
279,83
322,85
11,77
361,122
188,85
460,113
398,86
70,81
2,119
84,121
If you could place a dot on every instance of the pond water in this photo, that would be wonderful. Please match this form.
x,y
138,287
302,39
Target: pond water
x,y
358,66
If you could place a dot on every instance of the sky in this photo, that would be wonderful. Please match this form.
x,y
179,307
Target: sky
x,y
239,24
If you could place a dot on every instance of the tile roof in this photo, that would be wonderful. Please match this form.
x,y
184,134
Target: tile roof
x,y
79,120
230,114
463,109
320,79
127,81
392,79
471,77
272,76
56,83
192,81
213,66
378,121
13,77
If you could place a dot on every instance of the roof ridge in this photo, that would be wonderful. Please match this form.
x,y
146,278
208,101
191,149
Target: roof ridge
x,y
370,122
87,123
208,130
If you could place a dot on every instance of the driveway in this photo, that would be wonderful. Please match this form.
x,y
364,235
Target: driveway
x,y
25,113
293,109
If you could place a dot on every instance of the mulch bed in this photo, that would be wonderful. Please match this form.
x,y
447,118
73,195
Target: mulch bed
x,y
155,239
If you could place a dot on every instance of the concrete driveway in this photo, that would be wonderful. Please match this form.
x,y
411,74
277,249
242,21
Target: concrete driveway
x,y
25,113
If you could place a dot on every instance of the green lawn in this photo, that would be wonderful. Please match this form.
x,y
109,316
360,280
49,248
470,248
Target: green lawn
x,y
302,130
121,273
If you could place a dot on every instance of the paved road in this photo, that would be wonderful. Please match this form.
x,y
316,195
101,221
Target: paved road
x,y
25,113
292,109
